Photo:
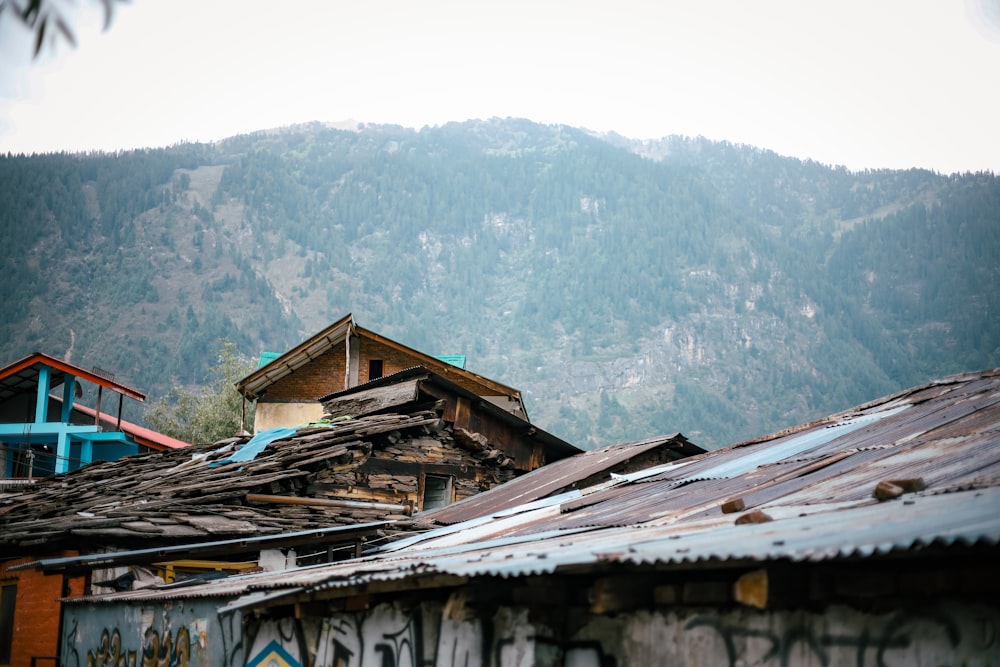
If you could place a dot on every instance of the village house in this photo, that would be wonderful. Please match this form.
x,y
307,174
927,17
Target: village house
x,y
44,431
287,387
866,538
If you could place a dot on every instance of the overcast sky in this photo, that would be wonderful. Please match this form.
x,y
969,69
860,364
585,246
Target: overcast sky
x,y
860,83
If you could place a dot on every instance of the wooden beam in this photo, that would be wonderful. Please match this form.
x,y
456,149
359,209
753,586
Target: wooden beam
x,y
372,400
262,498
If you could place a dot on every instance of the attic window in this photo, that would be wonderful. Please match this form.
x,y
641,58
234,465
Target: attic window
x,y
437,492
374,369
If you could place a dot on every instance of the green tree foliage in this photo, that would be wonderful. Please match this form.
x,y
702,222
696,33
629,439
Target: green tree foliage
x,y
210,413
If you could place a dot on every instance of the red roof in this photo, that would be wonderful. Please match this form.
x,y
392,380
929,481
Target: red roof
x,y
141,434
23,376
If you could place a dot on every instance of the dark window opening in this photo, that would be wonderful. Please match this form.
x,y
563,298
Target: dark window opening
x,y
374,369
8,594
437,492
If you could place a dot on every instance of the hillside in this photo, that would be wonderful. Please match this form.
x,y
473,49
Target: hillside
x,y
628,288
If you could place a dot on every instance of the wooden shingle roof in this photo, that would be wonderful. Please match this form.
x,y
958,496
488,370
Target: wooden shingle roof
x,y
191,495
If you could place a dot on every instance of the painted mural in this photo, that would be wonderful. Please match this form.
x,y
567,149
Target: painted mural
x,y
456,634
186,633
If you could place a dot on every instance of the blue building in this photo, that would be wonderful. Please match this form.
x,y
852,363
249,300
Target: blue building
x,y
43,431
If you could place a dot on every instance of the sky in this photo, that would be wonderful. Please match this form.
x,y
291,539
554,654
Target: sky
x,y
858,83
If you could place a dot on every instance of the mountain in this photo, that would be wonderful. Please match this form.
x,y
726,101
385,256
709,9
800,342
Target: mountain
x,y
629,288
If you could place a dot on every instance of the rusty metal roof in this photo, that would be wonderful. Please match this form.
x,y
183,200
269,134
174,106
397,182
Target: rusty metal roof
x,y
555,477
939,444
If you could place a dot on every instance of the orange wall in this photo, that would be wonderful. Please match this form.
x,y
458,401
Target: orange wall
x,y
36,612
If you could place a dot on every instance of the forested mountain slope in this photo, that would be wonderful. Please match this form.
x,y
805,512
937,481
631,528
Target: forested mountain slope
x,y
628,288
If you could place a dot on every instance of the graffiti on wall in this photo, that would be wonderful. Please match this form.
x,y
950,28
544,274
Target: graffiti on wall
x,y
433,635
386,637
457,635
134,637
159,649
932,635
276,643
460,634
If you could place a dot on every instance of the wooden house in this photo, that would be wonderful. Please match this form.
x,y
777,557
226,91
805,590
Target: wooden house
x,y
287,387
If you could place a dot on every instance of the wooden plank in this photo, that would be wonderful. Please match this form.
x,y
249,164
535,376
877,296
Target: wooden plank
x,y
326,502
372,400
377,466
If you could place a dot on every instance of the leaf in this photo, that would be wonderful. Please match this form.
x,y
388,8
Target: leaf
x,y
65,30
41,36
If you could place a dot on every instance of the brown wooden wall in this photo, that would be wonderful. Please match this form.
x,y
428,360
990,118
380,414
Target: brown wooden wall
x,y
395,473
467,415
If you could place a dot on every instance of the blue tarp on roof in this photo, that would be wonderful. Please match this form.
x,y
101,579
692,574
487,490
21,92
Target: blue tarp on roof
x,y
249,451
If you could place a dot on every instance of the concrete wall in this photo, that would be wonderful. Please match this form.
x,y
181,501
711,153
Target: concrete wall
x,y
272,415
456,633
178,633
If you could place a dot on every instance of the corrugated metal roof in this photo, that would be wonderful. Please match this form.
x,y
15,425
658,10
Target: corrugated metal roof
x,y
815,483
875,528
554,477
239,545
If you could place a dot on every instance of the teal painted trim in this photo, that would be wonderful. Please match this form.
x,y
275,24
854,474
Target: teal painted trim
x,y
103,438
45,429
453,359
62,453
69,383
64,436
42,397
266,358
86,453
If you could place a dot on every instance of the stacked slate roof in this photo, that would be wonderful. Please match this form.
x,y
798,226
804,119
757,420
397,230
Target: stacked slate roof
x,y
297,482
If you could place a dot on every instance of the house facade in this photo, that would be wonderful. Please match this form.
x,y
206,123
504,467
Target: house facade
x,y
44,431
287,387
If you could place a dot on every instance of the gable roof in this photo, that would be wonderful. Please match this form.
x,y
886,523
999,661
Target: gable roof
x,y
22,376
256,383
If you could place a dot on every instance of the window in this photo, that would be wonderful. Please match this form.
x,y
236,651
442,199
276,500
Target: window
x,y
374,369
437,492
8,594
